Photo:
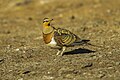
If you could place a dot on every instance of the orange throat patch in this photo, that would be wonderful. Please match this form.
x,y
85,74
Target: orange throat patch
x,y
48,37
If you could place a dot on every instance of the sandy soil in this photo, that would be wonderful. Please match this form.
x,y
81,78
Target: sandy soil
x,y
24,56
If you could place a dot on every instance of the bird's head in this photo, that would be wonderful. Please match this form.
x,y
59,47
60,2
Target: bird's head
x,y
46,22
47,28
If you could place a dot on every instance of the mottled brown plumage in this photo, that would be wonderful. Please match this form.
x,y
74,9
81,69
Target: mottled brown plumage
x,y
64,37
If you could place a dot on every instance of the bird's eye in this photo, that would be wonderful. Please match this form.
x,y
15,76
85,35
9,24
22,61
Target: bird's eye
x,y
45,21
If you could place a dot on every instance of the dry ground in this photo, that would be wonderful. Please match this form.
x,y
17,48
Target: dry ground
x,y
23,55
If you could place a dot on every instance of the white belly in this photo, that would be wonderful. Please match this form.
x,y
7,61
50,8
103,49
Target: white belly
x,y
52,43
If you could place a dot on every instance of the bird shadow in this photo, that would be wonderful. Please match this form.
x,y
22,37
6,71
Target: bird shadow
x,y
79,51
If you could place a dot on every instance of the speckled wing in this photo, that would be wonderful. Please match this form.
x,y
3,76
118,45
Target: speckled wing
x,y
64,37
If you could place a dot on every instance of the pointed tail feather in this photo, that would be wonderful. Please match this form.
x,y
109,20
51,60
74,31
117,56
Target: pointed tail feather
x,y
81,42
85,42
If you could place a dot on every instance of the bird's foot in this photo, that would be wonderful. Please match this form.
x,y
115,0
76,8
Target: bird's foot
x,y
58,52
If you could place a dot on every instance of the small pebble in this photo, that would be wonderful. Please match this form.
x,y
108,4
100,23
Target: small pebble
x,y
1,60
101,75
110,68
30,18
17,49
72,17
20,79
87,65
117,63
24,51
26,72
47,77
71,76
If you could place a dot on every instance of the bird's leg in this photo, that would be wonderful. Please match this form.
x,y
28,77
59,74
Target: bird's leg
x,y
59,50
63,49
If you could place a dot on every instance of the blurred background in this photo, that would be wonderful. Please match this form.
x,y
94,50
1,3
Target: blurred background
x,y
23,55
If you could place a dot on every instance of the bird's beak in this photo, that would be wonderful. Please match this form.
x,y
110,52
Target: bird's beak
x,y
51,20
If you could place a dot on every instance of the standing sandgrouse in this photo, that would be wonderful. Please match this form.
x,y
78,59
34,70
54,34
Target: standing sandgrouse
x,y
59,38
